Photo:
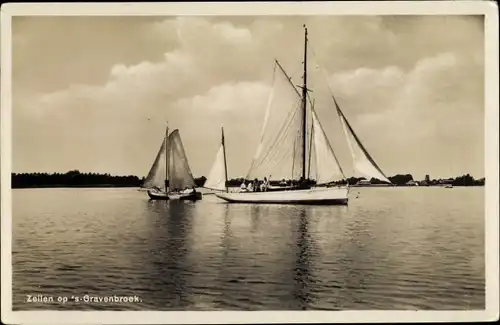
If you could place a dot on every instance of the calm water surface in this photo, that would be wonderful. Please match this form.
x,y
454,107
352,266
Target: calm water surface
x,y
391,248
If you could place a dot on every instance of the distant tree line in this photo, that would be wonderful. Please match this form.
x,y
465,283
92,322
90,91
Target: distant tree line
x,y
397,180
407,179
73,178
76,178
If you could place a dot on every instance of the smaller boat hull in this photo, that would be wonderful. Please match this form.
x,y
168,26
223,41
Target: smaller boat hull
x,y
314,196
155,195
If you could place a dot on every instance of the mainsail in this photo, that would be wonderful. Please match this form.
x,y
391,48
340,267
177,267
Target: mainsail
x,y
278,151
157,174
179,172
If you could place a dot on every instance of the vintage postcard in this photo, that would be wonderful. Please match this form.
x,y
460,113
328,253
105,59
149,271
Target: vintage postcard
x,y
249,162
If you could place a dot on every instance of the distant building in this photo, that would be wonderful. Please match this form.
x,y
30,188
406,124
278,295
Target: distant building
x,y
446,181
363,182
427,179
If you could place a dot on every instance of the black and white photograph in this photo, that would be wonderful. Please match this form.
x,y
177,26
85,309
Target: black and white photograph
x,y
316,160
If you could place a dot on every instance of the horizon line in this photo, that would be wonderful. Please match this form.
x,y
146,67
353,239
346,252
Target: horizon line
x,y
230,178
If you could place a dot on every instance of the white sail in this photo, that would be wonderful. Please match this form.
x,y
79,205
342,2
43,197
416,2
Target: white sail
x,y
157,173
282,151
364,165
277,151
179,172
266,117
217,176
327,166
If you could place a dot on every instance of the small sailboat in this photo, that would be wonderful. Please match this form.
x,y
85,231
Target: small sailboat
x,y
303,140
170,176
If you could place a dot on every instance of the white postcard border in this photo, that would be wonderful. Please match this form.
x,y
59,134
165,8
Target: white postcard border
x,y
487,8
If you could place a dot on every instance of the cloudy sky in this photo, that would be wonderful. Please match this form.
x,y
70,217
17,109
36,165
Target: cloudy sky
x,y
94,93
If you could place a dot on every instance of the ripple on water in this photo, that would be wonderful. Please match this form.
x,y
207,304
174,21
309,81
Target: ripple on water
x,y
379,253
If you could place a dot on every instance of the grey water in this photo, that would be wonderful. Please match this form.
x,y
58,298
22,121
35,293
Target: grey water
x,y
390,248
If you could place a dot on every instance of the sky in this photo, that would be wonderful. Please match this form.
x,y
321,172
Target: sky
x,y
95,93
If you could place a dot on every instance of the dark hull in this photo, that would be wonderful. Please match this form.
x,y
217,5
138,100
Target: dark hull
x,y
186,197
157,196
174,196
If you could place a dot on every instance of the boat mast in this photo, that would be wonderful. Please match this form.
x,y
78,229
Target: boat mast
x,y
166,159
304,107
225,161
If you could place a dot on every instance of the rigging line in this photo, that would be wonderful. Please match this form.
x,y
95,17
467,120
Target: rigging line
x,y
324,75
278,156
264,161
282,131
342,116
328,142
324,134
297,154
284,127
269,100
268,109
275,162
289,79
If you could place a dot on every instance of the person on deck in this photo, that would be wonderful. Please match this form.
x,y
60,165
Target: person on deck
x,y
256,185
303,183
188,190
250,187
263,186
243,187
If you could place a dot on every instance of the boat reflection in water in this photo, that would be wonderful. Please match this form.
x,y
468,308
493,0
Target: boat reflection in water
x,y
167,264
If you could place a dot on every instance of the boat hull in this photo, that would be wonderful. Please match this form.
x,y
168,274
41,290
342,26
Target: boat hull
x,y
314,196
185,196
155,195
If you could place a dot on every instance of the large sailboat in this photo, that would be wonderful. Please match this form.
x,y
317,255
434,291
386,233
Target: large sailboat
x,y
170,176
302,138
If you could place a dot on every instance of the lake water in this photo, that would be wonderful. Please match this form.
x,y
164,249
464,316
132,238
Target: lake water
x,y
391,248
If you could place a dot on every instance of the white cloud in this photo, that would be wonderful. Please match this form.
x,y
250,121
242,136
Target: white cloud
x,y
216,72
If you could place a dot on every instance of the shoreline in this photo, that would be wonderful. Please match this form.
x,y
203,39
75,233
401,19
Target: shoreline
x,y
74,186
138,187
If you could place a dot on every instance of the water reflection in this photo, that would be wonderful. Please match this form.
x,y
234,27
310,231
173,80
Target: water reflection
x,y
304,263
374,254
255,215
169,247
